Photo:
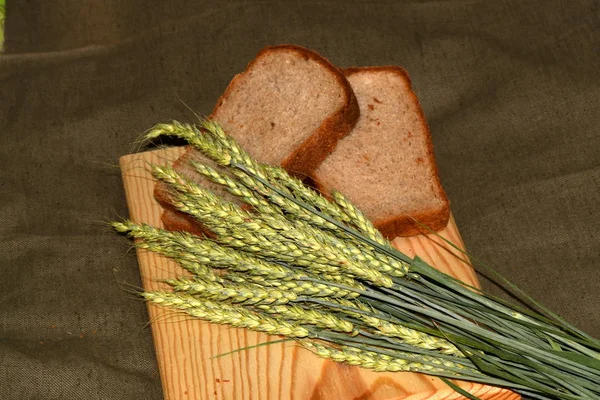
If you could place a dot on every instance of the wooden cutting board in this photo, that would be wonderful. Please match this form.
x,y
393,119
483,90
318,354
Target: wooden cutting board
x,y
185,348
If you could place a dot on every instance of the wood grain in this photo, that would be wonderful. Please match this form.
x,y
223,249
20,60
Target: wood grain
x,y
185,347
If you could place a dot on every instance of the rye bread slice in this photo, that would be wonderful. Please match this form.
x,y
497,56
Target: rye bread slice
x,y
289,107
386,166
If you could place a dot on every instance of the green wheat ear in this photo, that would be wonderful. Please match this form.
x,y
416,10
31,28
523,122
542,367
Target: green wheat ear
x,y
315,270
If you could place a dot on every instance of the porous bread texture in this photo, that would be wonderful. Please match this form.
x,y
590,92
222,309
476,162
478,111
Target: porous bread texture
x,y
286,96
386,166
289,107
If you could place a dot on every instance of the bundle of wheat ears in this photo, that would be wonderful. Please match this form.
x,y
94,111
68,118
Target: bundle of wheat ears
x,y
316,271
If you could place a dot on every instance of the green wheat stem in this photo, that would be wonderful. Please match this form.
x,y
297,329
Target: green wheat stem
x,y
301,265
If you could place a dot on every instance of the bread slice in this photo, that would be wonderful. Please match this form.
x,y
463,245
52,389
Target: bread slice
x,y
289,107
386,165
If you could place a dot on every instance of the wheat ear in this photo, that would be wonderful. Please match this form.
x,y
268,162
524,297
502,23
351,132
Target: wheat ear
x,y
235,316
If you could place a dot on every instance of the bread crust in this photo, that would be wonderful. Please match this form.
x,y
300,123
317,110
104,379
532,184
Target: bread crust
x,y
303,160
416,223
315,148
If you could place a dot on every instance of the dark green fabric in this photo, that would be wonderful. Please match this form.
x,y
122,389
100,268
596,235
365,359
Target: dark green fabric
x,y
510,89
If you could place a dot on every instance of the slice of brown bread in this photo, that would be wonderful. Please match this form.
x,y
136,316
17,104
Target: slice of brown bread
x,y
289,107
386,165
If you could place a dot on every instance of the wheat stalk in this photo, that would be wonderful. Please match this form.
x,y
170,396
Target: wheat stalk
x,y
196,254
368,359
241,229
235,316
320,269
192,254
405,334
238,190
305,316
235,293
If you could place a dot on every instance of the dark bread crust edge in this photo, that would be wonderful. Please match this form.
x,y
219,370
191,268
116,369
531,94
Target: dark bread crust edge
x,y
405,225
302,161
315,148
